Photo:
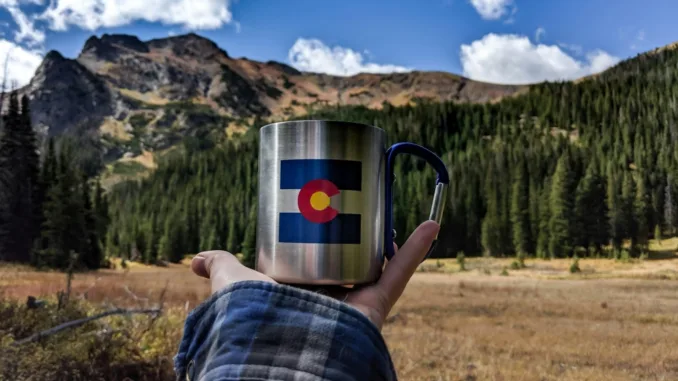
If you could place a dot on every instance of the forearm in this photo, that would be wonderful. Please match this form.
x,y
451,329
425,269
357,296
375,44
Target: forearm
x,y
260,331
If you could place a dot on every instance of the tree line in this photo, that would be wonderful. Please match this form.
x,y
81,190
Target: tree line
x,y
51,214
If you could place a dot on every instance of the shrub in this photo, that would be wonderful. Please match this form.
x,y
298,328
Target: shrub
x,y
138,347
521,260
574,267
286,83
625,256
519,263
504,272
461,260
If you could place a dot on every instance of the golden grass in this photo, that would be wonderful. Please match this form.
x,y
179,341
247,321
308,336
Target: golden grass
x,y
236,128
110,286
506,328
468,326
115,129
147,159
148,98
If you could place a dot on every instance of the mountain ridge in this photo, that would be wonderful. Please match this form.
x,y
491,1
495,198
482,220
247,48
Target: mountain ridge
x,y
193,68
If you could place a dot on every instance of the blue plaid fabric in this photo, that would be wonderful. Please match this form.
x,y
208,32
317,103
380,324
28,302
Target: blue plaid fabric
x,y
256,330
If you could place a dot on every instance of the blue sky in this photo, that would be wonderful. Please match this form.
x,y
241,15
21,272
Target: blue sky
x,y
506,41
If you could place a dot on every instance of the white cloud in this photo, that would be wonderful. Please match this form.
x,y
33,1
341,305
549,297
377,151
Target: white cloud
x,y
492,9
600,60
539,34
514,59
574,48
21,63
94,14
26,27
314,56
512,17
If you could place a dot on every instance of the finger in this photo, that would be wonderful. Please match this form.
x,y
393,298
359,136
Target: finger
x,y
403,265
223,269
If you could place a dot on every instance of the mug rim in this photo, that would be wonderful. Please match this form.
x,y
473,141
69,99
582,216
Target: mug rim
x,y
328,121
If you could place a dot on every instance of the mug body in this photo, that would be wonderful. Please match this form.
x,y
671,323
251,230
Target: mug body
x,y
321,202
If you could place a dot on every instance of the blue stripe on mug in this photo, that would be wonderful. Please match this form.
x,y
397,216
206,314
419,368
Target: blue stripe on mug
x,y
343,229
345,174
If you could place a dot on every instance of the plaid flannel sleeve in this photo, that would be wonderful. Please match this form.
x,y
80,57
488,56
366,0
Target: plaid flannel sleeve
x,y
255,330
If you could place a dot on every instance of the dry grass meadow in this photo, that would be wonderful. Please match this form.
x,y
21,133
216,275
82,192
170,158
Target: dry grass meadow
x,y
613,321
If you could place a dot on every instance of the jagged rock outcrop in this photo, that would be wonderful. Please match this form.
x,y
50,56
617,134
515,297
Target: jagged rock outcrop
x,y
64,94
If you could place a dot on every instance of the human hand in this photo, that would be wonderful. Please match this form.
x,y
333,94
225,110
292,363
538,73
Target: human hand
x,y
373,300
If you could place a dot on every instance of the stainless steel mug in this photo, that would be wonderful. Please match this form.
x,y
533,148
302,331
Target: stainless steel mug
x,y
325,210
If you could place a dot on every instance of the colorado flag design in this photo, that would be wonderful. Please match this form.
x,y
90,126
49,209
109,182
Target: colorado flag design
x,y
310,215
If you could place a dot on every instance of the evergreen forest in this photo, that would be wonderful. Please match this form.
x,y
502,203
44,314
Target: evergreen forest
x,y
586,168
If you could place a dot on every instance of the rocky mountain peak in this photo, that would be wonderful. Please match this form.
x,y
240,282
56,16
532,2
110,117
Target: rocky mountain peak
x,y
189,45
110,46
126,41
64,94
52,66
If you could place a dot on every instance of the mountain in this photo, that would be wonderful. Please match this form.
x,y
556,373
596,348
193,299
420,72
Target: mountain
x,y
138,96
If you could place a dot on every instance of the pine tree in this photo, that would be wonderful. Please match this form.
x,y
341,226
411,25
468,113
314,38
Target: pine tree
x,y
669,206
172,243
231,240
101,213
630,226
561,204
591,211
64,229
520,212
641,213
151,239
544,221
91,255
615,213
250,241
658,233
491,227
48,178
19,165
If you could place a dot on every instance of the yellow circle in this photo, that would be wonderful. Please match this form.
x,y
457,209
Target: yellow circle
x,y
320,201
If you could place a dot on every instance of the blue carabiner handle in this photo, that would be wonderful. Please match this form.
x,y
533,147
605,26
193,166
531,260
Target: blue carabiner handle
x,y
391,153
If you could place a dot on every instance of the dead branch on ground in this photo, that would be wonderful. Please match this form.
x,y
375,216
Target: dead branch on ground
x,y
134,296
79,322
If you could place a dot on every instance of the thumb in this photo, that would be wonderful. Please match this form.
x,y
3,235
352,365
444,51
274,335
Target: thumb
x,y
202,264
400,269
223,268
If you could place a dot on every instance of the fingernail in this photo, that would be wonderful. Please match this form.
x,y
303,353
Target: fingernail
x,y
198,264
433,226
199,261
